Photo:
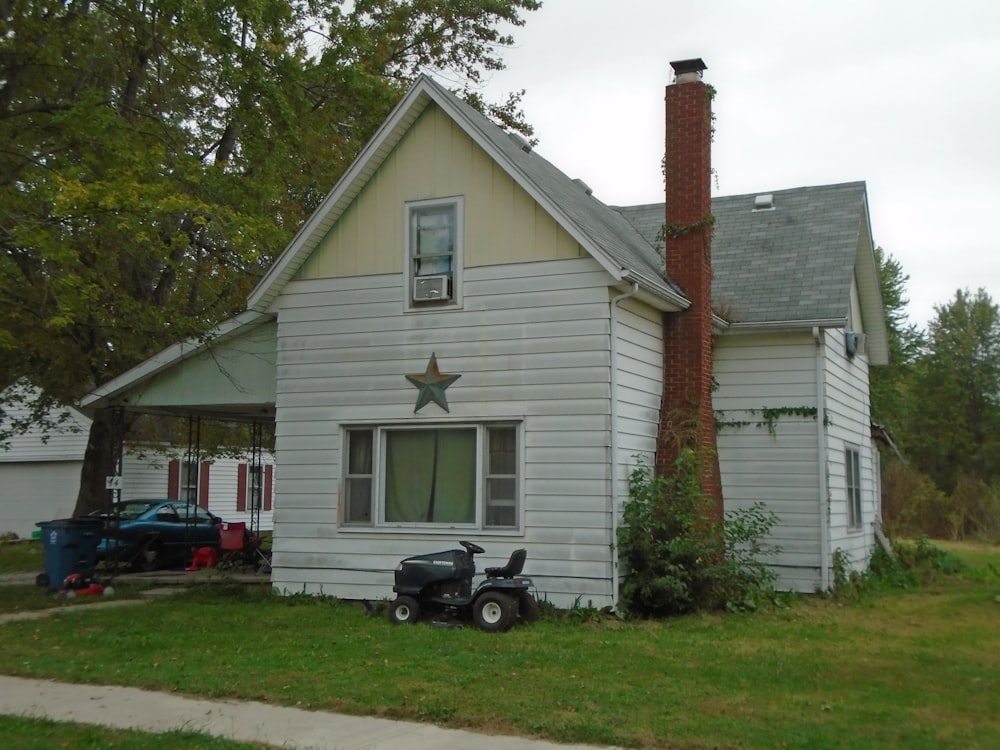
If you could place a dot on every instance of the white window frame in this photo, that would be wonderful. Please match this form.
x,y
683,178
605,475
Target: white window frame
x,y
852,484
376,515
457,203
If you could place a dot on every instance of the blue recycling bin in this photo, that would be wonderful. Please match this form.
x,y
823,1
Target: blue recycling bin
x,y
69,546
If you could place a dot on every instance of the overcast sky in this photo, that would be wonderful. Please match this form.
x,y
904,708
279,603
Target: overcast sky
x,y
902,95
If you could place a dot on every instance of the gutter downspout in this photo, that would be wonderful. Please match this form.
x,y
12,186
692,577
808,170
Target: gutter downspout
x,y
615,504
824,522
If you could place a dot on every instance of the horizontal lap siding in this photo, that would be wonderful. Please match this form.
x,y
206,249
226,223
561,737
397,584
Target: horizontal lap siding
x,y
780,469
65,443
850,424
531,344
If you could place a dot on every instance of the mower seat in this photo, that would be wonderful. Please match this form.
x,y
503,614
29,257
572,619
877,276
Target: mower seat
x,y
513,567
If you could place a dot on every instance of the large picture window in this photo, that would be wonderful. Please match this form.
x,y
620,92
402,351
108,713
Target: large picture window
x,y
433,252
853,460
463,476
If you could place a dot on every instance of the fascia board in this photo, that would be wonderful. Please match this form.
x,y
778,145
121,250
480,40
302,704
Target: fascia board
x,y
339,198
785,325
870,293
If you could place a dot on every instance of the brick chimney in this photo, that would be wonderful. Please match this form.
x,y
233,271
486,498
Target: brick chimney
x,y
686,415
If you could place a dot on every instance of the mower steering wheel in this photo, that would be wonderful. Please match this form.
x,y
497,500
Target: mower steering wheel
x,y
472,549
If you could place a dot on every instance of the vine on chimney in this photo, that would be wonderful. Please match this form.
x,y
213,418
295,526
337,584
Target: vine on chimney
x,y
673,231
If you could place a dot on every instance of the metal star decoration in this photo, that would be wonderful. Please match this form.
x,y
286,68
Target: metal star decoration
x,y
431,383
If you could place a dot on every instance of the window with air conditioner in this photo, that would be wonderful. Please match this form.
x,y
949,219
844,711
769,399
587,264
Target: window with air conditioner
x,y
460,476
433,253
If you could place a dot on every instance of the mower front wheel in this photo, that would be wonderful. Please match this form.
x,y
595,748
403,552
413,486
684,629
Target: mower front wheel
x,y
494,612
404,610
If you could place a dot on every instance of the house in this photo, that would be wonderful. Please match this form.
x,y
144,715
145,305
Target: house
x,y
40,477
462,342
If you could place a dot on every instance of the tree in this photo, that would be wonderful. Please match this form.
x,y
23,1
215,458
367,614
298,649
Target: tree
x,y
953,429
889,384
158,154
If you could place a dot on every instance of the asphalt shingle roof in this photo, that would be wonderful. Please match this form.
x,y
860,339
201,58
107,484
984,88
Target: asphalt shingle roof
x,y
605,226
793,263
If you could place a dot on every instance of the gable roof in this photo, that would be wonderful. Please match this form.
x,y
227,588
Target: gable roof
x,y
793,264
603,232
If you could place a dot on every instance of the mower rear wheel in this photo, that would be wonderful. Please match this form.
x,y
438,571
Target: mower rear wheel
x,y
494,612
527,607
404,610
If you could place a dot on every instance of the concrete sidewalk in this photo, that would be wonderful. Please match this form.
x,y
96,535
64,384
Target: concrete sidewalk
x,y
130,708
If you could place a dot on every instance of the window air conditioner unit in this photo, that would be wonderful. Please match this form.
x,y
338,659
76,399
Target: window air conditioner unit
x,y
431,288
855,342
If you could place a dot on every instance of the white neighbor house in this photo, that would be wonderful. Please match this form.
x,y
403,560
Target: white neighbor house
x,y
464,343
40,478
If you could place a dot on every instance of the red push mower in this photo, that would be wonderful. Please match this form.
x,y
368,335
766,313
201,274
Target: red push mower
x,y
78,584
438,586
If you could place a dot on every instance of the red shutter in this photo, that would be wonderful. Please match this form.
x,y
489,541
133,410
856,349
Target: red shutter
x,y
241,488
174,480
203,486
268,479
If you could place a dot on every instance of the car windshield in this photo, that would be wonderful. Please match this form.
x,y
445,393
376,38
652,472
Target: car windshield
x,y
131,511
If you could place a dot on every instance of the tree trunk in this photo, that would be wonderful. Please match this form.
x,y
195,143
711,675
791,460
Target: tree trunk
x,y
98,464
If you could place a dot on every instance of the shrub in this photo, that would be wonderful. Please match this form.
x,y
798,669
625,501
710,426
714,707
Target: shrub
x,y
911,565
678,558
912,506
911,503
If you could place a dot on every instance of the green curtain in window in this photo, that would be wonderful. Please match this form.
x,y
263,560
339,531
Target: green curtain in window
x,y
430,476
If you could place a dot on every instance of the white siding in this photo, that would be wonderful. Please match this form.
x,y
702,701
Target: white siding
x,y
40,473
638,393
66,443
531,344
36,491
782,469
849,407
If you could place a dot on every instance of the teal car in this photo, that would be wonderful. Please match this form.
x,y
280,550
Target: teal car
x,y
152,534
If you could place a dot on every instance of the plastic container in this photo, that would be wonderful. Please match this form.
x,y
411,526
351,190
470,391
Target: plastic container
x,y
69,546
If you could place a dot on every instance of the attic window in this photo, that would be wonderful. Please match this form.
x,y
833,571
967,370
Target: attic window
x,y
764,202
433,253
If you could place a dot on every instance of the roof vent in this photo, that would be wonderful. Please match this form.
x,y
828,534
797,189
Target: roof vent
x,y
584,186
764,202
520,142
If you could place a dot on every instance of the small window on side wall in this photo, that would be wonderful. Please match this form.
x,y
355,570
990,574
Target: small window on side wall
x,y
433,253
853,461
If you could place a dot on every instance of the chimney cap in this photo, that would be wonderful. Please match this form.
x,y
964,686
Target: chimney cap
x,y
694,65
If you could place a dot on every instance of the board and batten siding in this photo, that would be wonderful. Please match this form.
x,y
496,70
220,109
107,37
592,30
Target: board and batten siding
x,y
848,402
436,159
532,344
782,468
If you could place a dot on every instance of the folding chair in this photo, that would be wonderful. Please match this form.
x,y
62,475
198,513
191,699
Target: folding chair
x,y
237,546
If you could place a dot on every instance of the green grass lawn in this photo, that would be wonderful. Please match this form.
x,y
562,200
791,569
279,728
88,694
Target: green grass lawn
x,y
21,557
917,668
39,734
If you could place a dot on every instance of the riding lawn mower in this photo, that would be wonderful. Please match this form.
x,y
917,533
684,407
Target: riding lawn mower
x,y
440,585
